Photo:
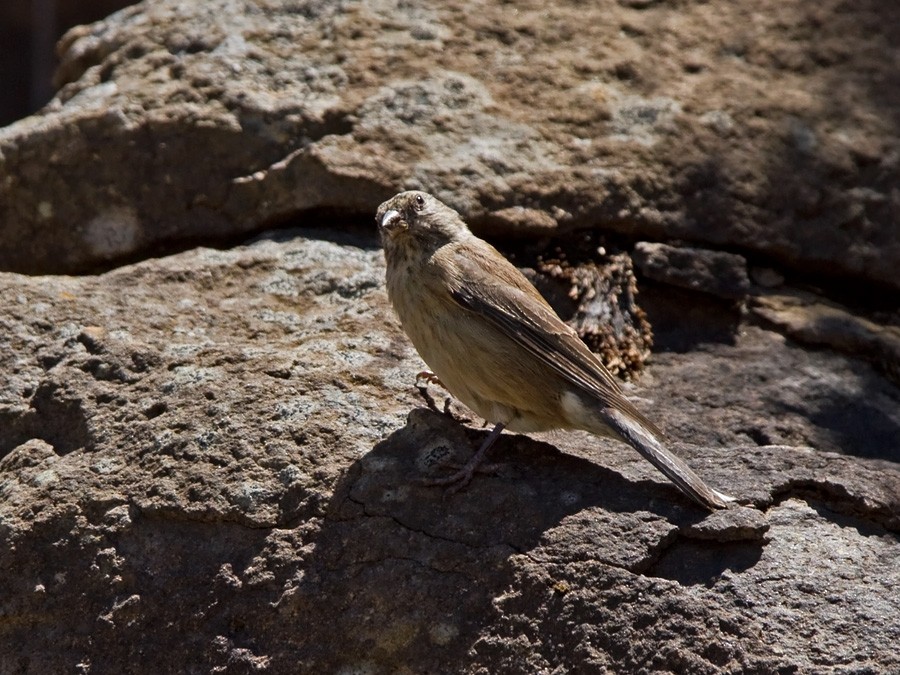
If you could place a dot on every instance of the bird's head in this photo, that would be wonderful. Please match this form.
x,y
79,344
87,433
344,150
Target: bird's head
x,y
417,216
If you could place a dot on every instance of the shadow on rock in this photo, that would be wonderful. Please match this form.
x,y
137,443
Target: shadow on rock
x,y
534,487
412,574
858,427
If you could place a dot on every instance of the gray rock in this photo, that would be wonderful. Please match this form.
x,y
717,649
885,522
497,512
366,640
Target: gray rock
x,y
178,122
814,321
210,462
721,274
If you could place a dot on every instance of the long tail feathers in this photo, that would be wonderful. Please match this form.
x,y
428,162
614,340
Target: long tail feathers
x,y
674,468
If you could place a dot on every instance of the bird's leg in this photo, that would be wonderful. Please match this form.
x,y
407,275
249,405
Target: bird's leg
x,y
461,478
429,399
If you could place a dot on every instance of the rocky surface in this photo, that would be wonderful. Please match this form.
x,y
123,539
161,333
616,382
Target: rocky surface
x,y
764,127
812,320
717,273
210,461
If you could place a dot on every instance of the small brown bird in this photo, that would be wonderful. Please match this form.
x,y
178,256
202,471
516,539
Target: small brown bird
x,y
498,347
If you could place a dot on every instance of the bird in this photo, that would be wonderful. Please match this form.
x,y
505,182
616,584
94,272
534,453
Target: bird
x,y
497,346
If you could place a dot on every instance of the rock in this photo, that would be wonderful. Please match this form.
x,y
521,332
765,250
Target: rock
x,y
815,321
766,277
212,460
720,274
180,122
734,524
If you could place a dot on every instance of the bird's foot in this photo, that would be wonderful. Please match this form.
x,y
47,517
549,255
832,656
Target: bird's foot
x,y
423,379
463,475
429,378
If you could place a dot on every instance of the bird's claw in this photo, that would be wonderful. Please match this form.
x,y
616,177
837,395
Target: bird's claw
x,y
429,378
462,476
423,379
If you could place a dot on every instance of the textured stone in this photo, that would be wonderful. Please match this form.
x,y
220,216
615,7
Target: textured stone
x,y
814,321
211,460
762,126
718,273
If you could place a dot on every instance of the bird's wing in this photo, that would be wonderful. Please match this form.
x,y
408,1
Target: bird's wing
x,y
507,299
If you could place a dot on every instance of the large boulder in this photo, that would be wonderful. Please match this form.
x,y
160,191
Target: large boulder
x,y
763,126
211,460
211,463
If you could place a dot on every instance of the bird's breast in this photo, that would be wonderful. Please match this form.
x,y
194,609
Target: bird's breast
x,y
477,363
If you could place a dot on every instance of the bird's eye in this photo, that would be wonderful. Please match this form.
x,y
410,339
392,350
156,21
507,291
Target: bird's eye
x,y
420,202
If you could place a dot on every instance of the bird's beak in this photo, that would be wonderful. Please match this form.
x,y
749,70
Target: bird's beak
x,y
391,220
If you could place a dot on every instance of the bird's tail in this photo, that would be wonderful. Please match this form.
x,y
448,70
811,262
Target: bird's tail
x,y
674,468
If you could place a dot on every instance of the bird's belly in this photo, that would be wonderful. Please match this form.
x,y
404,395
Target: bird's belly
x,y
483,368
